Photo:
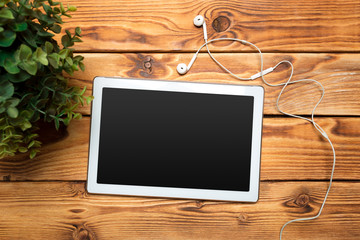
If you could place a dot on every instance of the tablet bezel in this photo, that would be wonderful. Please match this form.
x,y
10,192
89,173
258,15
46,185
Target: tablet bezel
x,y
173,86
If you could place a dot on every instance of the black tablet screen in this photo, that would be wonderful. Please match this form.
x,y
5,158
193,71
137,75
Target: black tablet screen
x,y
175,139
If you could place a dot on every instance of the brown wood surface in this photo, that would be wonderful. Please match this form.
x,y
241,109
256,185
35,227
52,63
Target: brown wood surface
x,y
339,74
45,198
282,25
291,150
63,210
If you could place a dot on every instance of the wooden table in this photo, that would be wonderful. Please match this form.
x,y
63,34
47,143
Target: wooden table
x,y
45,198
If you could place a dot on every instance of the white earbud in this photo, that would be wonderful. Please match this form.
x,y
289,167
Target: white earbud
x,y
181,68
200,21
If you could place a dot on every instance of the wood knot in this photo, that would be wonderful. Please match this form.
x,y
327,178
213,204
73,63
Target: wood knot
x,y
243,218
7,178
200,204
221,24
302,200
147,63
83,233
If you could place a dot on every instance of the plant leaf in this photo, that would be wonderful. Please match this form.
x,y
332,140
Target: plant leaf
x,y
57,124
19,27
29,38
20,77
33,153
78,31
40,56
69,60
7,37
64,53
11,66
72,8
54,59
82,66
13,102
56,28
66,41
6,13
23,149
29,66
6,90
24,52
12,112
48,47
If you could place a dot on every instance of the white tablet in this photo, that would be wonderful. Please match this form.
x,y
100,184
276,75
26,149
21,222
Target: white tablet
x,y
175,139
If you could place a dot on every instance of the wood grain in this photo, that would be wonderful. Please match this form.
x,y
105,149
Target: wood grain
x,y
64,210
291,150
339,73
281,26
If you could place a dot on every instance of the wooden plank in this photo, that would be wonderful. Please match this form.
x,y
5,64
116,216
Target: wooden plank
x,y
63,210
136,26
291,150
339,73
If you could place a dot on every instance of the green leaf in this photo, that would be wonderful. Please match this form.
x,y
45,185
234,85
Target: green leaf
x,y
4,55
1,29
89,99
7,37
64,53
62,9
13,102
29,66
56,28
6,90
72,8
10,66
77,116
47,8
6,13
76,39
29,38
12,112
57,123
68,33
24,52
54,59
31,143
43,33
40,56
33,153
48,47
19,27
23,149
26,125
56,10
78,31
26,114
3,2
66,41
83,91
20,77
82,66
69,60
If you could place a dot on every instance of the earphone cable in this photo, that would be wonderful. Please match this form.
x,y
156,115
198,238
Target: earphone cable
x,y
317,127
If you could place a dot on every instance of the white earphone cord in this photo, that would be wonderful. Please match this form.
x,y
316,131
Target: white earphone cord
x,y
261,74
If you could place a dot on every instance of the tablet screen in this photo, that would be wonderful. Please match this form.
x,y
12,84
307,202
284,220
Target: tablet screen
x,y
175,139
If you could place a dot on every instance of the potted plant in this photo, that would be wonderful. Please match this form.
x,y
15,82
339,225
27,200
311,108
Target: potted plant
x,y
32,84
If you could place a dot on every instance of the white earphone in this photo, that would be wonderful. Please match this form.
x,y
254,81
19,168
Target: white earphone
x,y
182,69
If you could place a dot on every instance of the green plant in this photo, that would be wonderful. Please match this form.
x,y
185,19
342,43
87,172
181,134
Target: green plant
x,y
32,84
